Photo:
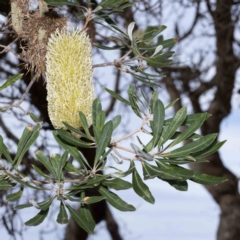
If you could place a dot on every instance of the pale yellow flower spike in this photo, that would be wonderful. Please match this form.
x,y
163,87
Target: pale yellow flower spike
x,y
69,78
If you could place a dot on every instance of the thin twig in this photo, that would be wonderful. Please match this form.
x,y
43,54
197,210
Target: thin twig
x,y
18,104
145,120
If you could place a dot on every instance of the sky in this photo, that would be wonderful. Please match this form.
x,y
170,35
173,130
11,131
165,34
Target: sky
x,y
175,215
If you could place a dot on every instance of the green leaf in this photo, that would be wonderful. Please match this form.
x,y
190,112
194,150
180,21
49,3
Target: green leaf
x,y
179,185
62,163
117,184
34,118
116,121
118,97
191,118
56,3
69,138
40,172
22,206
71,168
38,219
72,129
150,171
46,204
6,153
11,81
1,146
192,147
4,185
62,217
141,188
133,99
115,200
124,174
152,31
206,179
81,220
91,200
106,47
22,142
96,179
176,122
25,143
85,125
171,104
71,150
85,212
190,130
96,109
46,162
105,137
181,172
212,148
14,196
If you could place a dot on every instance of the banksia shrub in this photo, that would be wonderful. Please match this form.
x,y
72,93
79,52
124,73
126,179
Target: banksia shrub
x,y
69,77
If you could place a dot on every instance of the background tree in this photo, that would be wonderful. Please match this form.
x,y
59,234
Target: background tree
x,y
211,66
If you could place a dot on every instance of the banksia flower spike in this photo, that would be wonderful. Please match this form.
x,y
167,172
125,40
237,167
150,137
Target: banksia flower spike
x,y
69,75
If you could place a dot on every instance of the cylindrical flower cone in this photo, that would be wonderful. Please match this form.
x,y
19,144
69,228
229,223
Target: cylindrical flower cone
x,y
69,73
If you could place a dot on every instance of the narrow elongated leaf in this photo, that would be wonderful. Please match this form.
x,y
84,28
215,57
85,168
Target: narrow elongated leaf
x,y
57,3
11,81
62,162
91,200
71,150
77,131
34,118
150,171
4,185
6,153
71,168
133,99
176,122
191,118
158,119
106,47
1,146
84,122
206,179
46,162
116,121
117,184
190,130
96,109
34,135
22,142
124,174
40,172
46,204
181,172
171,104
212,148
62,217
141,188
14,196
105,137
81,220
101,117
115,200
192,147
85,212
118,97
141,154
152,31
74,141
22,206
38,219
96,179
179,185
